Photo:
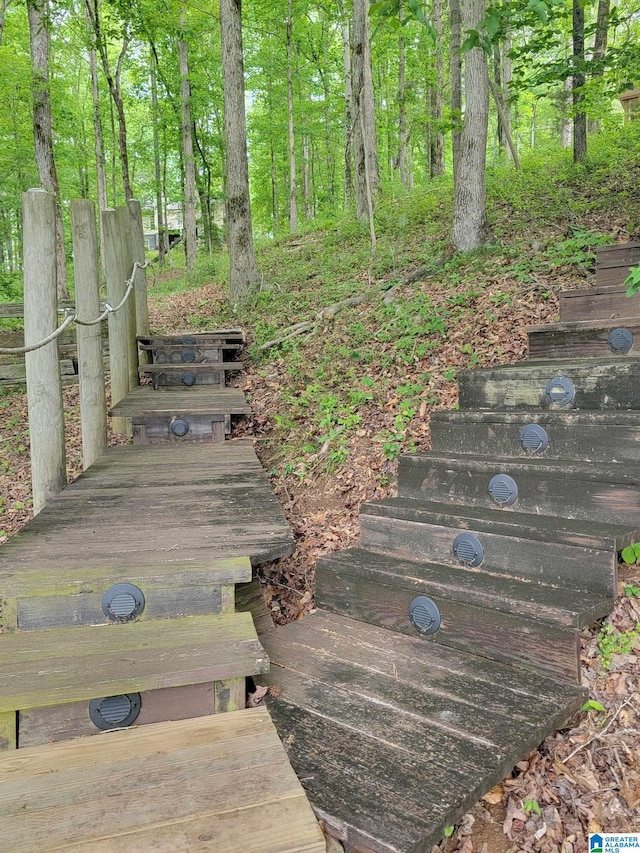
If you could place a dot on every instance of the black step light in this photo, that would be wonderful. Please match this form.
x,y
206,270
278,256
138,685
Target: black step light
x,y
534,438
560,391
189,378
424,615
188,340
503,490
179,427
468,549
188,356
620,341
122,602
114,712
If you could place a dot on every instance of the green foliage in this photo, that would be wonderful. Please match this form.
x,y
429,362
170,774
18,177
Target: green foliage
x,y
632,281
448,831
631,554
530,806
613,642
593,705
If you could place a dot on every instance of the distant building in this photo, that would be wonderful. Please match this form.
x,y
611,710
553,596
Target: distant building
x,y
630,100
173,225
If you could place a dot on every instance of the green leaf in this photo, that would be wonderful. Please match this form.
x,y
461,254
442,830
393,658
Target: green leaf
x,y
632,590
629,554
470,42
636,548
492,24
448,831
594,705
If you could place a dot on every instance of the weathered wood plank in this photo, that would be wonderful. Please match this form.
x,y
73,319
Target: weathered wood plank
x,y
581,339
249,598
170,786
186,338
8,731
587,436
604,384
208,400
474,587
229,695
358,737
573,554
598,303
372,597
163,428
588,491
613,262
43,668
237,513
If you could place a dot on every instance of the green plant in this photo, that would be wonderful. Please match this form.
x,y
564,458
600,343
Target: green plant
x,y
532,806
448,831
632,590
593,705
632,281
631,554
613,642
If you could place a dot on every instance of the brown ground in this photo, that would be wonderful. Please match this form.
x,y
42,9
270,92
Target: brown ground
x,y
583,779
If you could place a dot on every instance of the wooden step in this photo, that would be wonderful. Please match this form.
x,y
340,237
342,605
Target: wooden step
x,y
609,384
214,783
608,493
393,742
598,303
189,338
588,436
43,597
180,353
179,414
67,667
189,375
492,616
567,553
586,339
139,505
613,262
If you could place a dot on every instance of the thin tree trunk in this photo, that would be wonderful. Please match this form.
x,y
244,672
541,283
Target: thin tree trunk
x,y
40,44
293,204
156,157
348,105
308,195
190,187
4,5
436,138
504,123
456,79
470,229
579,115
402,105
365,147
600,48
244,268
101,171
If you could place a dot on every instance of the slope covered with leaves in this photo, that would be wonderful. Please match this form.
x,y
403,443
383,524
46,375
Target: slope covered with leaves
x,y
366,346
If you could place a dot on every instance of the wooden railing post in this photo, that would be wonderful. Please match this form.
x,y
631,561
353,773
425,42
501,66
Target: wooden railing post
x,y
124,230
115,261
137,244
44,385
93,404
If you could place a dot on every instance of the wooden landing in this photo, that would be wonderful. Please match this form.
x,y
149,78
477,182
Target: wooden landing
x,y
214,783
392,740
207,399
140,505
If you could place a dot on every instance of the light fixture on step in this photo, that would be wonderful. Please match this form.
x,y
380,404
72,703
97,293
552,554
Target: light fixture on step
x,y
424,615
114,712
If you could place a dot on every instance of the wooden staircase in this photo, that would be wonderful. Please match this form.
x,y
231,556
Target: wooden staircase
x,y
119,613
448,644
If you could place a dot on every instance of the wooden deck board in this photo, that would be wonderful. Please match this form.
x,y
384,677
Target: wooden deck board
x,y
380,737
59,666
220,783
144,401
213,500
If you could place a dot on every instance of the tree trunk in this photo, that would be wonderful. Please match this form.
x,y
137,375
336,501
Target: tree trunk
x,y
348,105
40,45
156,157
402,106
115,89
365,147
600,48
293,204
579,115
456,79
436,138
190,187
3,8
308,195
244,268
470,229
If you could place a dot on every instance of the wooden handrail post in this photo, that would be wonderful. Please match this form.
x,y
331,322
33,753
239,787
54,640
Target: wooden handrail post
x,y
137,245
93,403
44,384
115,262
124,227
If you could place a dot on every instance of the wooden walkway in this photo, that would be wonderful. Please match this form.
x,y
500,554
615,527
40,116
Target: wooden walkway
x,y
120,622
447,645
